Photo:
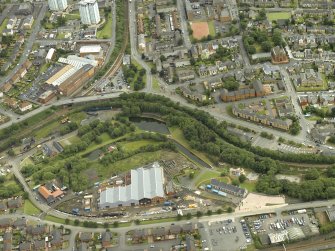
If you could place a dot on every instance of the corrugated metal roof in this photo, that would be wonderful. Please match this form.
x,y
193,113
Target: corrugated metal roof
x,y
146,182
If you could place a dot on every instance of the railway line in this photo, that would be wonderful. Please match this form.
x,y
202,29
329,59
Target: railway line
x,y
118,61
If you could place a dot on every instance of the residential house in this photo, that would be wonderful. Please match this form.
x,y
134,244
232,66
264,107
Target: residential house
x,y
83,247
57,239
5,223
85,236
7,247
189,228
185,74
192,95
278,55
190,243
20,223
15,203
37,230
25,246
140,235
106,239
262,119
28,22
228,188
25,106
175,230
158,233
7,237
3,206
39,245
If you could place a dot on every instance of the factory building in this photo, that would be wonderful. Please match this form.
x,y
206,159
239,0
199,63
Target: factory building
x,y
146,187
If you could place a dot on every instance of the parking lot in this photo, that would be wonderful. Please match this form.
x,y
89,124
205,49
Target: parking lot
x,y
226,235
297,150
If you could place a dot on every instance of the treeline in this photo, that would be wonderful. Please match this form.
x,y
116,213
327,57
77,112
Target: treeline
x,y
136,103
314,186
92,133
120,154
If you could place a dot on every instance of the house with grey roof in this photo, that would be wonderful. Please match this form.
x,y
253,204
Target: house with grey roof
x,y
228,188
146,186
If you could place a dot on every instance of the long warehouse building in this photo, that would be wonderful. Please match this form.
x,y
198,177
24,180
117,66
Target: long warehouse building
x,y
146,187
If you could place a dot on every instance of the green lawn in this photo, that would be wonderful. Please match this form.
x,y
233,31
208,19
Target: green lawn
x,y
54,219
278,15
178,135
106,31
146,222
3,25
249,185
211,28
134,145
72,16
155,84
48,129
206,176
30,209
130,163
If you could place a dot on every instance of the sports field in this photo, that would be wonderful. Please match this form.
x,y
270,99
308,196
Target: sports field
x,y
278,15
200,30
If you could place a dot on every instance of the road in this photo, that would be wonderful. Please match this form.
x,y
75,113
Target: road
x,y
28,44
133,43
183,22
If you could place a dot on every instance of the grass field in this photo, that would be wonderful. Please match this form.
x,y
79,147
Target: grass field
x,y
178,135
155,84
54,219
147,222
106,31
130,163
211,28
46,130
134,145
3,25
278,15
250,186
30,209
206,176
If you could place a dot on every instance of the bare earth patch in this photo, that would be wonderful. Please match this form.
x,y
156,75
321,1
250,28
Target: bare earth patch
x,y
200,30
255,201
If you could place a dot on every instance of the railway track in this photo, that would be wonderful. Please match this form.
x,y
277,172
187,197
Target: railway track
x,y
308,245
118,61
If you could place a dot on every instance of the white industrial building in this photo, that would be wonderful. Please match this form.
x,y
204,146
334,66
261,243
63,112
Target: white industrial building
x,y
146,186
90,50
89,12
50,55
57,5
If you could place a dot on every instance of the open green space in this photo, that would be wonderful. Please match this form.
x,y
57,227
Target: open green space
x,y
30,208
207,175
134,145
155,84
147,222
211,28
249,185
130,163
3,25
54,219
106,31
278,15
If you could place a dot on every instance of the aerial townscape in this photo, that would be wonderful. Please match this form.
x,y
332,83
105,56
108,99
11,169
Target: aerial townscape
x,y
167,125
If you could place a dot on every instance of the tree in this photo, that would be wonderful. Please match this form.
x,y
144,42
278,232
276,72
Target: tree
x,y
229,210
25,195
191,175
137,222
162,58
261,15
188,216
242,178
179,217
11,152
67,221
76,222
277,37
106,224
266,46
235,182
219,211
115,224
209,212
312,174
199,214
